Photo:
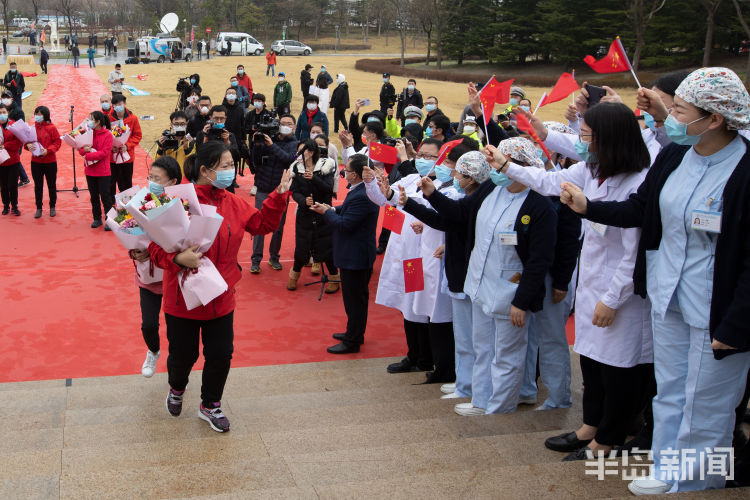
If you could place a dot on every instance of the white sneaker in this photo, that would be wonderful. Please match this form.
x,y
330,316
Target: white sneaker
x,y
149,366
648,486
448,388
526,401
452,395
468,410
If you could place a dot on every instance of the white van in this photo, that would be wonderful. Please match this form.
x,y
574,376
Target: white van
x,y
242,44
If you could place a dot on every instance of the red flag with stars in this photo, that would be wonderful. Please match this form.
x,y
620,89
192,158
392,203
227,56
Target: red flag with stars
x,y
524,125
383,153
565,86
393,219
614,62
494,92
413,275
445,149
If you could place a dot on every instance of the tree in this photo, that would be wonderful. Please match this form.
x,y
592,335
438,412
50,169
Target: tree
x,y
67,8
426,18
401,9
743,22
642,13
711,7
5,17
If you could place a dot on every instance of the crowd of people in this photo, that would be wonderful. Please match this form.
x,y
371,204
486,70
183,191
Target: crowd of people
x,y
637,223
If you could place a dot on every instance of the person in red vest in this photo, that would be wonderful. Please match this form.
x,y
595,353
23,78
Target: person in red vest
x,y
122,173
244,79
271,62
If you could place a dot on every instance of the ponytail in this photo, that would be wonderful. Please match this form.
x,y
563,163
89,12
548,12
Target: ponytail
x,y
207,156
101,118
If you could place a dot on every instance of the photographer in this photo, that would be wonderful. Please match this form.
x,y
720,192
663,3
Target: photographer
x,y
175,142
215,130
187,85
197,123
410,96
271,159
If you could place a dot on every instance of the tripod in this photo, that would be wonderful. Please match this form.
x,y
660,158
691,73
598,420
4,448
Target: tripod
x,y
324,280
75,185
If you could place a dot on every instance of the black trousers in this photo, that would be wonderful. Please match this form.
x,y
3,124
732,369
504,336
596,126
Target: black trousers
x,y
9,185
612,397
99,189
150,307
41,171
418,343
313,238
385,235
184,336
122,177
443,352
356,294
44,67
339,115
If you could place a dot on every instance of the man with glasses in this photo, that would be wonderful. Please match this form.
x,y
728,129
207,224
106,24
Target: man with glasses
x,y
175,141
215,130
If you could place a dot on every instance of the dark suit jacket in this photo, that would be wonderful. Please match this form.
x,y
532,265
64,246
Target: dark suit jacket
x,y
354,225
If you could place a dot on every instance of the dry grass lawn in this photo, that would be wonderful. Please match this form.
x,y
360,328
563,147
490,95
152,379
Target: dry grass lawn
x,y
162,79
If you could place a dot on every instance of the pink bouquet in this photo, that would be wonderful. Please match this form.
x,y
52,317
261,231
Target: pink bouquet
x,y
4,156
120,136
27,135
79,137
133,237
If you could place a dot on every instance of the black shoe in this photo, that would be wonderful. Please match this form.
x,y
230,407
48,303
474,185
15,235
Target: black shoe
x,y
341,337
15,211
431,378
107,228
52,212
6,210
254,268
380,250
343,348
567,442
403,366
24,183
275,264
38,213
96,223
579,454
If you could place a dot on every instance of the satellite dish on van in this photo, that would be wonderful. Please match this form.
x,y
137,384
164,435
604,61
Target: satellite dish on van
x,y
169,22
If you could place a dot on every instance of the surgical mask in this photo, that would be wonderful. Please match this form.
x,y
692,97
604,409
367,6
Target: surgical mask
x,y
224,179
240,72
258,104
526,108
231,97
385,80
106,106
582,148
218,125
499,178
443,173
311,106
457,186
649,121
340,80
119,109
430,107
428,132
155,188
204,110
6,101
424,166
677,131
410,87
3,118
469,129
281,79
322,70
313,136
513,101
192,81
13,70
38,118
409,121
91,123
285,130
235,83
371,119
179,128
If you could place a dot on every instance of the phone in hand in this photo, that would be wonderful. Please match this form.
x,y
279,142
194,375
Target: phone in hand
x,y
365,102
595,94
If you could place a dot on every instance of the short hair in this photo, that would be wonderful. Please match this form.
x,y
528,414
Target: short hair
x,y
118,65
442,122
217,109
204,97
324,137
433,97
430,141
240,66
317,124
668,83
287,115
358,162
467,144
208,155
170,166
118,98
177,114
312,98
376,128
12,63
412,80
44,111
259,97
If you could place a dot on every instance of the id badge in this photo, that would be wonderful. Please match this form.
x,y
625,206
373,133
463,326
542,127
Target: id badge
x,y
704,220
599,229
508,238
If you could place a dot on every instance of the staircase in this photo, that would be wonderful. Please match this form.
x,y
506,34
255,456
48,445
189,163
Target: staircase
x,y
343,429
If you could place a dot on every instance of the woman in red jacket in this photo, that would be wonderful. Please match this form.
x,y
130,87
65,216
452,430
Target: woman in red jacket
x,y
9,168
44,164
211,169
97,167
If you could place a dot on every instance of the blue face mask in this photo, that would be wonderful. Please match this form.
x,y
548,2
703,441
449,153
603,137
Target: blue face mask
x,y
582,148
219,125
428,132
106,106
371,119
499,178
526,108
458,187
424,166
385,80
677,131
430,107
224,179
38,118
649,121
235,83
192,81
258,105
409,121
119,109
513,101
442,173
155,188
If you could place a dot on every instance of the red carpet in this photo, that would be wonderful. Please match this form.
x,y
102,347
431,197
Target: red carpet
x,y
70,307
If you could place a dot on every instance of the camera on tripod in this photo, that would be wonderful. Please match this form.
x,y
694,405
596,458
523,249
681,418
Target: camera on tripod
x,y
183,84
269,126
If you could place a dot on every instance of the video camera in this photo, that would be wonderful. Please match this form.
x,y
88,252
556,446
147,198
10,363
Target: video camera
x,y
171,139
269,126
390,141
183,84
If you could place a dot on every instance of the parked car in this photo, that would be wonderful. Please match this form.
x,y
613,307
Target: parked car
x,y
242,44
291,48
22,33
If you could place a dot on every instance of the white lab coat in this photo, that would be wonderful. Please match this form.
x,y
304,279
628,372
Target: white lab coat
x,y
605,269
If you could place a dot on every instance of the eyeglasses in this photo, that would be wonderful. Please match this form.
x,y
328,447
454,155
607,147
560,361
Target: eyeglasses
x,y
581,136
423,156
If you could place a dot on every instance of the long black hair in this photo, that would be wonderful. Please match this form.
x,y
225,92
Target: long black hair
x,y
207,156
44,111
170,167
619,145
101,118
312,146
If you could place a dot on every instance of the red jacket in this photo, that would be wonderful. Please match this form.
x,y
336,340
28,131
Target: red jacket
x,y
271,58
239,216
131,121
102,143
49,137
12,145
245,81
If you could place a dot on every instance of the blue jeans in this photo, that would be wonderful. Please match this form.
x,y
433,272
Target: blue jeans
x,y
271,68
92,64
75,61
22,175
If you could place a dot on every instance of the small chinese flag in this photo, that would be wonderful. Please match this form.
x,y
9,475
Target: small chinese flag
x,y
142,77
383,153
494,92
413,275
524,125
614,62
393,219
565,86
445,149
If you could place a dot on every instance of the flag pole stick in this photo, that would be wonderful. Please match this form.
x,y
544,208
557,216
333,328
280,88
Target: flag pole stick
x,y
632,72
539,103
573,95
484,121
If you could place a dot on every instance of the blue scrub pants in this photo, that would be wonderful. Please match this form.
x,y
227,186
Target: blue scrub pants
x,y
464,348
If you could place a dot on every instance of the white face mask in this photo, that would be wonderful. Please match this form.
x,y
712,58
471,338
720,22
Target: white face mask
x,y
204,110
469,129
313,136
281,79
231,97
340,80
6,101
312,106
284,130
179,128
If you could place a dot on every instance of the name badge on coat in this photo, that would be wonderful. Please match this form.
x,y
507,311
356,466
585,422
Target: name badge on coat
x,y
508,238
704,220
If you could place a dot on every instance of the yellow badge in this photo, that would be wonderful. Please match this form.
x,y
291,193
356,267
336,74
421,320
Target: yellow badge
x,y
525,219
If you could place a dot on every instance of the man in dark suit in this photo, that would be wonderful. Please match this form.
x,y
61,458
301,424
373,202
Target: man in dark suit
x,y
353,226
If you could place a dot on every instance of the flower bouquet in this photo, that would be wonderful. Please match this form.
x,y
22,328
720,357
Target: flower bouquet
x,y
163,217
120,136
123,197
133,237
27,135
79,137
4,156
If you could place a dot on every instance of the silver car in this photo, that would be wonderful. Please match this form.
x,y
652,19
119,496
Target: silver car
x,y
291,47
